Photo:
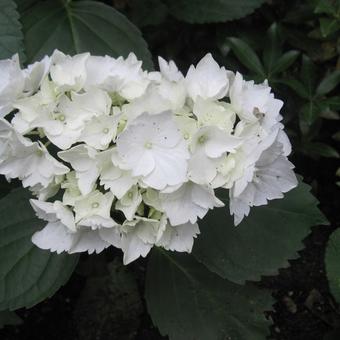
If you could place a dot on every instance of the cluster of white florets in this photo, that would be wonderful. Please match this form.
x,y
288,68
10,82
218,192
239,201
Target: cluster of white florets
x,y
116,155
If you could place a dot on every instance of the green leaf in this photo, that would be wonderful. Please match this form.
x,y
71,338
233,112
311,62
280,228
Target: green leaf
x,y
297,86
186,301
272,49
308,74
325,6
331,102
81,26
264,241
332,263
328,26
285,61
308,115
329,83
329,114
203,11
320,149
8,318
11,38
246,55
28,275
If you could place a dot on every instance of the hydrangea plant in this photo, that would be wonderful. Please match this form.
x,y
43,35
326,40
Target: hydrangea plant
x,y
101,151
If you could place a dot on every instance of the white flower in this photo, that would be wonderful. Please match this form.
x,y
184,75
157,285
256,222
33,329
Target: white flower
x,y
57,238
152,147
28,161
212,113
139,236
151,198
35,74
93,210
188,203
62,234
187,125
207,145
254,102
207,80
146,103
130,202
179,238
12,83
272,176
83,160
72,192
113,176
99,132
53,212
214,142
122,76
68,73
44,193
42,168
172,86
64,126
32,109
169,70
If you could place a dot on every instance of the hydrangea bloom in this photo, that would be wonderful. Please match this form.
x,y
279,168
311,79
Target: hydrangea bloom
x,y
135,156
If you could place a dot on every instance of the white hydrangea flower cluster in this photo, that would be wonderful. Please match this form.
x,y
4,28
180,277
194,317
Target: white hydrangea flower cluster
x,y
116,155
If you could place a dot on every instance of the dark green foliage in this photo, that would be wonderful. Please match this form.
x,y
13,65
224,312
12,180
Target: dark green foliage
x,y
11,37
186,301
84,26
28,274
263,242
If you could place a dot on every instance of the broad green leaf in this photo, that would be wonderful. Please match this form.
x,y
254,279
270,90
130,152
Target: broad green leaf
x,y
8,318
186,301
203,11
329,83
332,263
320,149
28,274
81,26
264,241
246,55
11,38
287,59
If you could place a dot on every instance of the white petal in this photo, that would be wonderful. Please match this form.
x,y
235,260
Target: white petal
x,y
55,237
